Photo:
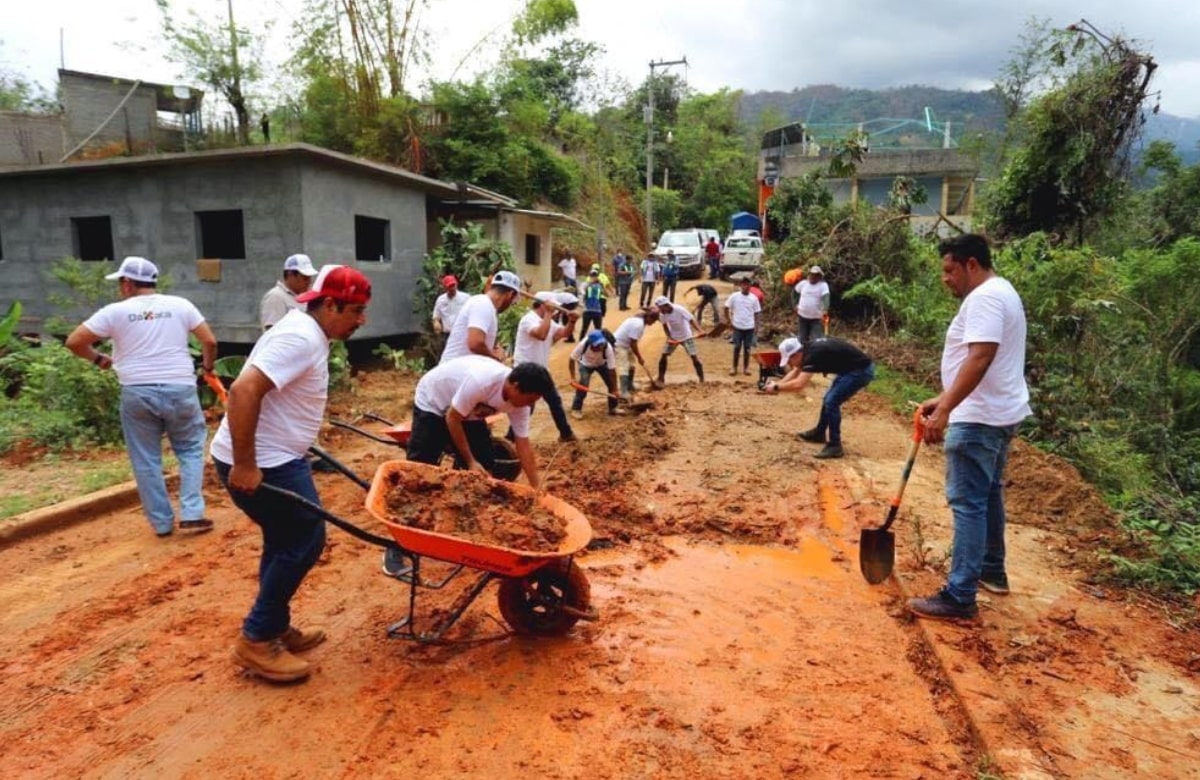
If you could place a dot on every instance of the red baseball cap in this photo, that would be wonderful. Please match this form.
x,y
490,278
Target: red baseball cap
x,y
449,281
339,282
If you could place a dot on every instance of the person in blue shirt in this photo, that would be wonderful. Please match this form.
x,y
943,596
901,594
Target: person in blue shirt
x,y
593,303
670,275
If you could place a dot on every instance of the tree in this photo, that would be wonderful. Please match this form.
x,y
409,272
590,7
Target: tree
x,y
222,55
1070,173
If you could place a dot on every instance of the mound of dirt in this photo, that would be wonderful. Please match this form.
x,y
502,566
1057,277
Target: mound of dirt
x,y
473,507
1047,492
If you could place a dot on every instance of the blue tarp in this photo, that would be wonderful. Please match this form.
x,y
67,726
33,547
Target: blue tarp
x,y
744,220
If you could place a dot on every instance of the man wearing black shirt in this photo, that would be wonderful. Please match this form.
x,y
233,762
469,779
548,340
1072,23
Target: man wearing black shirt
x,y
853,369
708,297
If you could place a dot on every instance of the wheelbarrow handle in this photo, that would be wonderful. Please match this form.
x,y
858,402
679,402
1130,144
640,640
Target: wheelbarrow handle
x,y
362,431
332,519
342,468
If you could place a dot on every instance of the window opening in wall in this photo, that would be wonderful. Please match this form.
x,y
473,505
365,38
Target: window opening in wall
x,y
372,238
91,238
221,234
533,254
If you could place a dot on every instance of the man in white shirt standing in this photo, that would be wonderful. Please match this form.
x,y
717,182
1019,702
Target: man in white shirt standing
x,y
626,339
149,333
474,331
649,271
448,305
570,269
983,401
273,416
298,272
677,322
537,332
743,311
812,305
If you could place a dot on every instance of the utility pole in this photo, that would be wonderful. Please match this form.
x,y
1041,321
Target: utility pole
x,y
649,117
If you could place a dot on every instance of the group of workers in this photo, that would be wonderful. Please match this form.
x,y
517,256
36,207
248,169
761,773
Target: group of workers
x,y
276,406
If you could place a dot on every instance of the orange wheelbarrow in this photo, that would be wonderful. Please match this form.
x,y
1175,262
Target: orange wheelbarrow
x,y
540,594
769,367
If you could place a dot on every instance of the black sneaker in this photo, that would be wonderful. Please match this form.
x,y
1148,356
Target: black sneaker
x,y
811,435
830,451
997,584
941,607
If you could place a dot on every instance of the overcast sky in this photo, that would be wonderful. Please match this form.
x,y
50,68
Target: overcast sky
x,y
765,44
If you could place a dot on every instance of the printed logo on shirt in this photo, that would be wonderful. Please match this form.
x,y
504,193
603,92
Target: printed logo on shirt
x,y
150,315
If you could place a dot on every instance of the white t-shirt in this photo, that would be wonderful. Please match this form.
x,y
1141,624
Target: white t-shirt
x,y
809,305
631,329
649,269
992,313
593,359
477,312
568,266
679,323
446,308
473,386
533,350
149,335
742,309
294,355
277,301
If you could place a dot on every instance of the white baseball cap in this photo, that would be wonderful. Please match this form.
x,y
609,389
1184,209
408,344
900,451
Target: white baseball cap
x,y
301,263
137,269
788,348
507,279
546,297
816,269
662,300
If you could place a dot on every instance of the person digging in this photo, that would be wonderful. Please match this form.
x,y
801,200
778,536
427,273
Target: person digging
x,y
594,355
854,370
677,322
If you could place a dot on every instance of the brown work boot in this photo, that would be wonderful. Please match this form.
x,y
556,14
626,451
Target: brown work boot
x,y
298,640
269,660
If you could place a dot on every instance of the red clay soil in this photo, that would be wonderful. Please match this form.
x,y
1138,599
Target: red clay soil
x,y
736,637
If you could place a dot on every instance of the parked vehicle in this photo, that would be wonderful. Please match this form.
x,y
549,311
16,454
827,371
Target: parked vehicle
x,y
741,253
708,233
688,246
744,233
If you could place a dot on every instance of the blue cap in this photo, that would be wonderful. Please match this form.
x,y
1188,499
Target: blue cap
x,y
595,338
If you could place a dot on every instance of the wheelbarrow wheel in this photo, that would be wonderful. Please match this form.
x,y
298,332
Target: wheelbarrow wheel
x,y
547,602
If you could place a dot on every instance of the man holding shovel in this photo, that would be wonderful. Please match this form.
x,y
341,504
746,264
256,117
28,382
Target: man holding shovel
x,y
677,322
276,406
537,332
149,333
853,371
594,355
626,339
474,330
984,400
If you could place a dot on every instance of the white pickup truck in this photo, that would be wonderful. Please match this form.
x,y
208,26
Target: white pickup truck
x,y
741,253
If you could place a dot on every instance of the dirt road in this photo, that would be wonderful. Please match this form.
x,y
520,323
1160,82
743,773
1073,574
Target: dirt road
x,y
736,637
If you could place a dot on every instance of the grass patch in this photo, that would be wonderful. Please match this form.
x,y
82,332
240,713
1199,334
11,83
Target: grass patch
x,y
898,389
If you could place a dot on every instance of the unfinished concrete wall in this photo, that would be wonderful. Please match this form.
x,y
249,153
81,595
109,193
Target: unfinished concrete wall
x,y
153,214
30,139
332,198
88,100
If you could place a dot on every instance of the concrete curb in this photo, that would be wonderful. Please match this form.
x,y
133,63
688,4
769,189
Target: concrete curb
x,y
72,511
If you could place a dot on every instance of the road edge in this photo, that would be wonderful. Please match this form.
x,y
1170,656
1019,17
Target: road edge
x,y
72,511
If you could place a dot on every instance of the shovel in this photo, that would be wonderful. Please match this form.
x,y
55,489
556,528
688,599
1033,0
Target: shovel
x,y
877,546
715,331
636,407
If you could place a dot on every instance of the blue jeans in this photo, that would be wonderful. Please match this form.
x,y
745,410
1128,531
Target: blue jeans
x,y
975,458
807,330
147,412
585,379
293,538
844,386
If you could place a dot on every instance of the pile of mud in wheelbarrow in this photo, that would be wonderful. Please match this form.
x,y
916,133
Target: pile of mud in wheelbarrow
x,y
442,524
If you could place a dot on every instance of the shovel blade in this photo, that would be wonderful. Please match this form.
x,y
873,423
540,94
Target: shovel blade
x,y
876,554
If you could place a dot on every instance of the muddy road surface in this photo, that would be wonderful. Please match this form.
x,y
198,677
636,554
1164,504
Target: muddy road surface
x,y
736,637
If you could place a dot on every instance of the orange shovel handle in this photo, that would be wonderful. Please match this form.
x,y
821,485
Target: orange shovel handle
x,y
215,385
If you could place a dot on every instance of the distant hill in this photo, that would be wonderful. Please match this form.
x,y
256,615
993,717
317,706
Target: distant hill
x,y
827,104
